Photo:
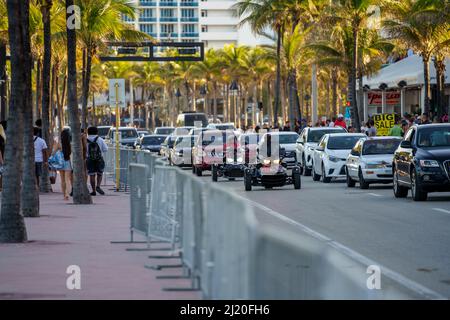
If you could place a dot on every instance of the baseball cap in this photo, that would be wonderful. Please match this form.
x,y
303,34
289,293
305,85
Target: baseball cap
x,y
340,115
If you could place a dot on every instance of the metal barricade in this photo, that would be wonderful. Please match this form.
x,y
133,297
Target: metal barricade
x,y
139,193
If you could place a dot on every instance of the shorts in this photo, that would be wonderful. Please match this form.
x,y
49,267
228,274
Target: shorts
x,y
67,166
38,168
95,167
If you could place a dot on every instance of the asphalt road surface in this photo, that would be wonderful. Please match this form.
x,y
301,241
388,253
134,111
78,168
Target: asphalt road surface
x,y
410,238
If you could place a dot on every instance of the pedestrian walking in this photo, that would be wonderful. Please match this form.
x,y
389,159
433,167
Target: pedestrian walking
x,y
95,162
371,130
340,122
40,154
396,130
63,151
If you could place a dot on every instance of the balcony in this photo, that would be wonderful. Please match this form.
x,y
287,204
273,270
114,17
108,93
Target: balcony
x,y
167,4
189,19
168,19
147,19
147,3
188,4
168,35
189,34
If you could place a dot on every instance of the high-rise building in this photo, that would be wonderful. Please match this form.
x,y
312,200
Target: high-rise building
x,y
213,22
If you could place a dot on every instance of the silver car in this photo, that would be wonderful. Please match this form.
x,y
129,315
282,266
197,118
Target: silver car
x,y
370,161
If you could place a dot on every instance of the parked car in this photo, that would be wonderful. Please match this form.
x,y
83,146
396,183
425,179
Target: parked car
x,y
422,162
330,156
271,171
166,146
370,161
167,131
103,131
181,153
192,119
182,131
221,126
307,142
142,133
287,141
128,136
151,143
208,150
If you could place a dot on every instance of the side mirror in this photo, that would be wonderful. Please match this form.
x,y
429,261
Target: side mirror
x,y
320,149
300,141
406,144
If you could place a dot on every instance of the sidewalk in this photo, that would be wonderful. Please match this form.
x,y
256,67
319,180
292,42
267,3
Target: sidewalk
x,y
67,235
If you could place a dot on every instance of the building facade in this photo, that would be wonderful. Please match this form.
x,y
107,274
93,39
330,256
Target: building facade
x,y
213,22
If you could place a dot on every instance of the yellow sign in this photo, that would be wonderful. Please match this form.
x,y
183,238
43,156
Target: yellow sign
x,y
384,123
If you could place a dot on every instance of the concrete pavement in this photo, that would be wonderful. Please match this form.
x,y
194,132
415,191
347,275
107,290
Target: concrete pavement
x,y
410,238
68,235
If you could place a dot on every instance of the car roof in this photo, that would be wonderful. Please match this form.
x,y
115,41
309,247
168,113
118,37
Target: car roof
x,y
344,134
432,125
101,127
383,138
326,128
281,133
165,128
124,128
155,136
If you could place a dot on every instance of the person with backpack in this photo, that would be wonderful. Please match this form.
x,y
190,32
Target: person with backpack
x,y
95,163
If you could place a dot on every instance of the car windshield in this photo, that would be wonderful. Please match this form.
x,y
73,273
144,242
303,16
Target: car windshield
x,y
385,146
224,127
128,134
343,142
153,141
434,137
165,131
287,138
316,135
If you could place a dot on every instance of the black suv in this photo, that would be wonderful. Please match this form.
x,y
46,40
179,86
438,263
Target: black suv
x,y
422,162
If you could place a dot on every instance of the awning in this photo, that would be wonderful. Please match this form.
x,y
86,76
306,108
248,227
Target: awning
x,y
409,70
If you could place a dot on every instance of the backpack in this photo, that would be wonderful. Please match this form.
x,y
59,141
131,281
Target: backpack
x,y
94,152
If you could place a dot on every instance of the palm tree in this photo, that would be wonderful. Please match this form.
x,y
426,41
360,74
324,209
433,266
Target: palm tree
x,y
80,190
12,225
3,43
416,24
101,20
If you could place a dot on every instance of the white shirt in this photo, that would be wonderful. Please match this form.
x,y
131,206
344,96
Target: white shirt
x,y
101,143
39,147
331,124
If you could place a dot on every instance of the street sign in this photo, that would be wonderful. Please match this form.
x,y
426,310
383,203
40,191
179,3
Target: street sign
x,y
117,85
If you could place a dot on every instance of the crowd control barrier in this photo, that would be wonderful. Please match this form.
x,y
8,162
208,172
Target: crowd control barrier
x,y
230,254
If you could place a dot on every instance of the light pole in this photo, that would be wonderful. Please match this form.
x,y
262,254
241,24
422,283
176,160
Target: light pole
x,y
234,88
203,93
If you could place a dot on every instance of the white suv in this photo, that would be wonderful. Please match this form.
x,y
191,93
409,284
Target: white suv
x,y
307,142
331,154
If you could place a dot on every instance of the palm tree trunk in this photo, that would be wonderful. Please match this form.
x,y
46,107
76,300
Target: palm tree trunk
x,y
269,102
215,102
86,87
426,74
46,76
292,83
439,64
29,192
80,190
353,75
12,224
334,99
186,86
2,80
37,113
278,76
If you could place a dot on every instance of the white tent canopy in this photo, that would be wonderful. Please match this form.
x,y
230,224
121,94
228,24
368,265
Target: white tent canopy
x,y
409,69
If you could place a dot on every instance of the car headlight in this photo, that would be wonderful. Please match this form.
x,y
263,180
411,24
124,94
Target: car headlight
x,y
276,161
230,160
240,159
266,162
334,159
429,163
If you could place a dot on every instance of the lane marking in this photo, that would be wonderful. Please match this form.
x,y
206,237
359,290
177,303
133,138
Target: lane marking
x,y
375,194
408,283
442,210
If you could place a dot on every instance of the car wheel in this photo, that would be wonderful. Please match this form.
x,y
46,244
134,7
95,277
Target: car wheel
x,y
297,179
214,173
350,181
362,183
325,179
315,176
399,191
199,172
416,189
248,182
306,171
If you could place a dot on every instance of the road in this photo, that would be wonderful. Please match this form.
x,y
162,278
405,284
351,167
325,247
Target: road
x,y
409,238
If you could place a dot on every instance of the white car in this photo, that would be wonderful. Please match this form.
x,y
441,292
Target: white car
x,y
330,156
287,140
221,126
182,131
308,141
181,153
370,161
